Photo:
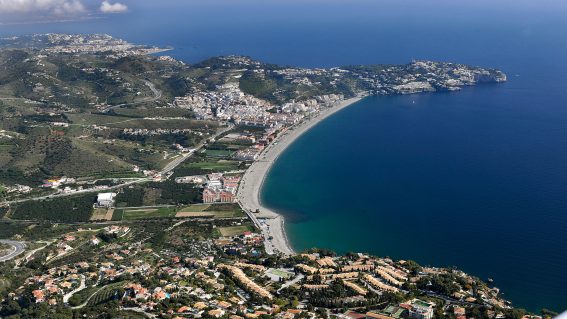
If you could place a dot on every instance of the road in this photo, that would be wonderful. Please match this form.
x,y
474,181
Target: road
x,y
178,160
263,228
448,299
88,299
70,294
292,282
168,168
157,95
18,247
90,190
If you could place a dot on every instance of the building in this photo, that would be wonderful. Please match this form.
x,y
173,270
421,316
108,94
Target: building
x,y
419,312
210,195
419,309
220,188
226,197
105,199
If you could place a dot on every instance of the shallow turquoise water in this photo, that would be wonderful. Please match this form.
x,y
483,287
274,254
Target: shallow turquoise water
x,y
467,179
475,179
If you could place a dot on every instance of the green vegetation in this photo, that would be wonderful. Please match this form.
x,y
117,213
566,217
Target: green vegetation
x,y
219,153
158,193
442,284
143,213
200,166
234,230
78,83
111,292
211,210
82,296
3,210
63,209
208,210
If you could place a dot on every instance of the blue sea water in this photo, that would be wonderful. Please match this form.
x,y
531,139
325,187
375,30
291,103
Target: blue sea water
x,y
475,179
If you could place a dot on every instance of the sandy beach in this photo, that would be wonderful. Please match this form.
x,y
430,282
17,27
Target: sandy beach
x,y
251,184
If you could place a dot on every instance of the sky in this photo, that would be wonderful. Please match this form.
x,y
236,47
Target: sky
x,y
40,11
24,11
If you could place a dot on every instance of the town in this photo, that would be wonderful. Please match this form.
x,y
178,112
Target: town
x,y
120,175
183,269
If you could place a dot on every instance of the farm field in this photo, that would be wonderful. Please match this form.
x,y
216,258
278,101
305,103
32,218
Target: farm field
x,y
207,210
214,210
219,153
205,167
143,213
102,214
234,230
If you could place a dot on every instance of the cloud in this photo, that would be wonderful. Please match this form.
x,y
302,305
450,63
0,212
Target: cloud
x,y
108,7
58,7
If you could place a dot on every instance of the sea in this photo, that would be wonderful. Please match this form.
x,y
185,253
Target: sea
x,y
475,179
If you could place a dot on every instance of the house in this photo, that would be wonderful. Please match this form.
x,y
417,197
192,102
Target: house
x,y
183,309
217,313
459,311
200,305
94,240
38,295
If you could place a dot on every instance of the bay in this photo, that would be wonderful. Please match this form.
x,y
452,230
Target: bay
x,y
475,179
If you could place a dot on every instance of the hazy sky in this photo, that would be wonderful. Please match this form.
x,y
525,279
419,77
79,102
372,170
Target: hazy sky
x,y
38,11
26,11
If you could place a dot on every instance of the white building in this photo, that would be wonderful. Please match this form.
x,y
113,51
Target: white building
x,y
421,309
105,199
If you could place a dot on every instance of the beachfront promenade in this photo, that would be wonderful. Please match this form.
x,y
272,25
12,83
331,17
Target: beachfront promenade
x,y
248,195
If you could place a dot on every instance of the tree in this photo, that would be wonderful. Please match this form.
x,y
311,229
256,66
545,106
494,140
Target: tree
x,y
11,307
546,313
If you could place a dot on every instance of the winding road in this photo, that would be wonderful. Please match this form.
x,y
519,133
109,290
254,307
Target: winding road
x,y
157,95
18,247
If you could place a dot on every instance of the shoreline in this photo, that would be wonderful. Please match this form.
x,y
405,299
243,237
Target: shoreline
x,y
248,194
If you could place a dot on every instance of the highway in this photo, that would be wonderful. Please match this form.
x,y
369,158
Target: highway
x,y
18,247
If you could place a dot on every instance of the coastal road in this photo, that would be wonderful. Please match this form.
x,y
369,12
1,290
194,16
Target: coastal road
x,y
263,228
18,247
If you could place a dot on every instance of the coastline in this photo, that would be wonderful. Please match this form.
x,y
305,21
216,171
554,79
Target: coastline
x,y
248,194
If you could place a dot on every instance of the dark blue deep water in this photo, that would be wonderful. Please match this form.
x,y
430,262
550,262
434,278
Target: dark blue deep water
x,y
475,179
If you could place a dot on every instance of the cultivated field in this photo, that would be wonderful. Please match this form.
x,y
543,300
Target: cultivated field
x,y
206,210
102,214
234,230
142,213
